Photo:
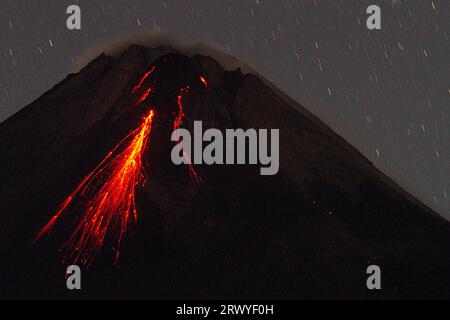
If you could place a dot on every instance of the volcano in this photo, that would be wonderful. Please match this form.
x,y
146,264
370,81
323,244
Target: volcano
x,y
86,177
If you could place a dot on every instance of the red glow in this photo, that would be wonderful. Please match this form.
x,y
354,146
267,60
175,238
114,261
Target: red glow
x,y
111,190
204,81
105,198
176,124
143,78
143,96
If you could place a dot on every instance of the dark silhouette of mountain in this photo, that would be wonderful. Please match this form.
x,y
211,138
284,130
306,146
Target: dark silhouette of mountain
x,y
308,232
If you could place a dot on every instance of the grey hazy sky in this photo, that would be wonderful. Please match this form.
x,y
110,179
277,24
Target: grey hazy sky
x,y
386,92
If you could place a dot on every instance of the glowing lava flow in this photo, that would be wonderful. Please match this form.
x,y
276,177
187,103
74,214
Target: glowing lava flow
x,y
142,79
106,196
111,191
176,124
204,81
147,91
143,96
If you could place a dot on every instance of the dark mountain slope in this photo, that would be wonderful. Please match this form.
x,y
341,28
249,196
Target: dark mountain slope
x,y
308,232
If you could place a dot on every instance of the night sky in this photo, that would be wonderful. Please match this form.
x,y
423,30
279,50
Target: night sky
x,y
385,91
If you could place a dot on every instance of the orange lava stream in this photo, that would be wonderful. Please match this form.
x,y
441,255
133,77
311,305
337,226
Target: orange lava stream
x,y
111,190
106,196
204,81
143,96
142,79
176,124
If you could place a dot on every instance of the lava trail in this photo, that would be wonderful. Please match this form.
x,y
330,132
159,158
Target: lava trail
x,y
143,96
142,79
147,91
106,196
110,188
204,81
176,124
